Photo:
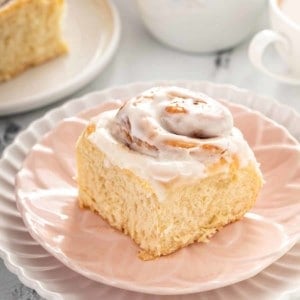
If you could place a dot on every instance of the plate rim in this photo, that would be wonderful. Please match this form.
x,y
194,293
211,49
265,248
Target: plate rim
x,y
51,114
78,82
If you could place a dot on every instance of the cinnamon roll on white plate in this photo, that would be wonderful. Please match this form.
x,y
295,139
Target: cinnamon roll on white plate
x,y
168,168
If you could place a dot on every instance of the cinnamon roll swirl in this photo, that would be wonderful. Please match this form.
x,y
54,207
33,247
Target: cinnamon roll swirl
x,y
171,119
176,132
167,167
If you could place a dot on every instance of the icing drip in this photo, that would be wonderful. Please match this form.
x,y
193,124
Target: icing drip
x,y
170,134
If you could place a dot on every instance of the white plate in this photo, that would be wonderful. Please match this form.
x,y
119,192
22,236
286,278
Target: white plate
x,y
38,269
92,31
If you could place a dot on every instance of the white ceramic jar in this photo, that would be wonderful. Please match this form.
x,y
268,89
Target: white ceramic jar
x,y
201,25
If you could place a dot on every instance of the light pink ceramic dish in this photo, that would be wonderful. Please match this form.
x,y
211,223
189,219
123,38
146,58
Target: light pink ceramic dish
x,y
46,192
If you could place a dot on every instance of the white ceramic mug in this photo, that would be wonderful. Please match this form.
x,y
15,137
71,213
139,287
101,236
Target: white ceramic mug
x,y
285,35
201,25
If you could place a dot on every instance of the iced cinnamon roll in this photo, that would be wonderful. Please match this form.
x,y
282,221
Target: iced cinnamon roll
x,y
168,168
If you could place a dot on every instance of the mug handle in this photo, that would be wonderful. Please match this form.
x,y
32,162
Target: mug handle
x,y
257,48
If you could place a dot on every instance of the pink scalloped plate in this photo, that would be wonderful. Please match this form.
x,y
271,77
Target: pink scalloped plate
x,y
47,200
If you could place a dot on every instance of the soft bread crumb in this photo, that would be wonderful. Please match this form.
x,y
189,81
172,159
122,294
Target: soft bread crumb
x,y
190,213
30,35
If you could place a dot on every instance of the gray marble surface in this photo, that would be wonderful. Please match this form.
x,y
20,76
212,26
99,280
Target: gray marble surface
x,y
142,58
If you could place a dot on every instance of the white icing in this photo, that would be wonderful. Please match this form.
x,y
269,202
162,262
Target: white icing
x,y
150,118
165,164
